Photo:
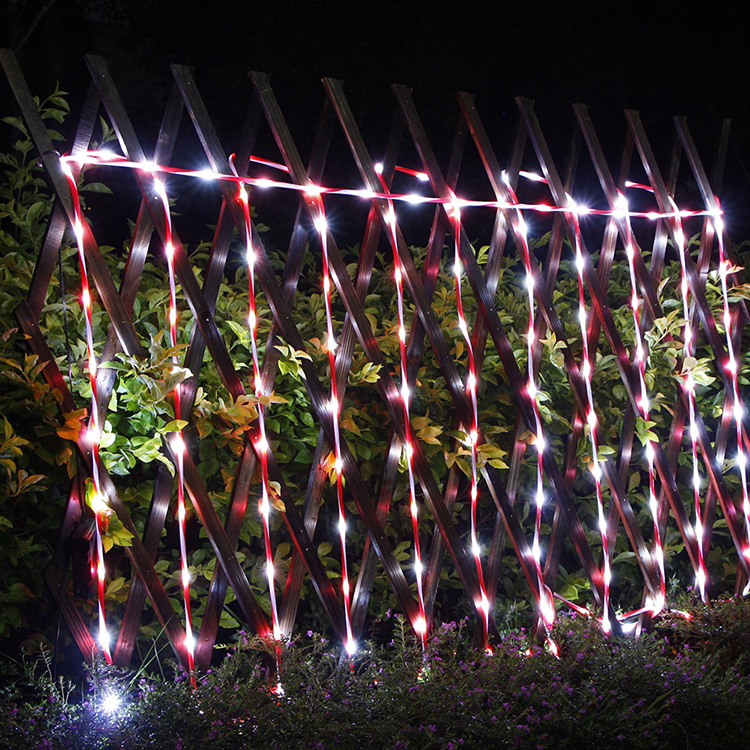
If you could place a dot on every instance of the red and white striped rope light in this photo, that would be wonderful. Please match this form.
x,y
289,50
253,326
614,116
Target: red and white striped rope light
x,y
405,393
177,442
483,605
261,441
587,373
111,159
732,367
94,431
641,356
546,603
689,337
334,405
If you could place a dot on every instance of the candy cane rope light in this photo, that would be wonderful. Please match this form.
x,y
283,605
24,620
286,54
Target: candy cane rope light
x,y
177,442
643,400
732,367
94,431
587,373
473,432
420,624
334,406
546,605
261,442
689,339
688,382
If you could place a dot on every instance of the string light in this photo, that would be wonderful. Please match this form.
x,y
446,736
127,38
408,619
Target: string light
x,y
587,374
261,443
545,601
738,409
99,506
643,401
688,384
420,622
178,442
322,226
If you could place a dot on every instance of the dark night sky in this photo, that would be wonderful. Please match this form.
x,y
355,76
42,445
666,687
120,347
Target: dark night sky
x,y
661,57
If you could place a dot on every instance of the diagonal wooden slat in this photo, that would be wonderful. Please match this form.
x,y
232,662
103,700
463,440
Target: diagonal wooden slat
x,y
506,491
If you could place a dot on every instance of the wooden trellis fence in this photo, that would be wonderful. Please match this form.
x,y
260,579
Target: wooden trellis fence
x,y
625,233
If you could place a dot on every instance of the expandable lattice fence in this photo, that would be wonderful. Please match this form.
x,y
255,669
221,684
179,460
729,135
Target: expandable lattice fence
x,y
608,293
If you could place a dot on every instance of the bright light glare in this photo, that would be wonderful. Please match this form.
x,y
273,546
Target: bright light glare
x,y
110,703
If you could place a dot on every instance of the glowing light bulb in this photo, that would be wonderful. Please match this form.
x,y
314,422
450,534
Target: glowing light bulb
x,y
98,503
405,392
321,224
178,444
270,571
540,496
420,626
738,411
476,549
418,568
351,646
379,168
342,526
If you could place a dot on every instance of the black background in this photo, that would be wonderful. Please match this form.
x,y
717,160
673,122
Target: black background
x,y
662,58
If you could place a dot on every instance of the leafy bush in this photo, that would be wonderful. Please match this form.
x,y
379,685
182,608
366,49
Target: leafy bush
x,y
603,692
39,457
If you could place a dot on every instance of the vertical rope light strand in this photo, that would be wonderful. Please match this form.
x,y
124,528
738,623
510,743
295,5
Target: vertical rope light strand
x,y
587,372
94,432
732,367
473,432
688,384
178,442
321,225
546,604
643,401
261,442
420,625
